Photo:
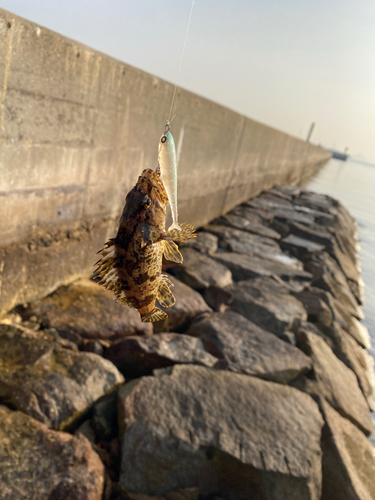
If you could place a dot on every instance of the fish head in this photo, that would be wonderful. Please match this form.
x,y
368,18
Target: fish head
x,y
146,202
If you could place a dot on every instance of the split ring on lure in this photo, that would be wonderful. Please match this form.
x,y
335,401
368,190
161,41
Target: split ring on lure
x,y
168,166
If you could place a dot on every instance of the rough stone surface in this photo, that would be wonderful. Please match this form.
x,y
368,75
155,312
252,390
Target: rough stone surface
x,y
239,241
53,384
336,382
189,304
38,463
204,242
353,356
247,266
229,434
348,459
200,271
300,247
87,310
137,356
246,348
238,222
267,303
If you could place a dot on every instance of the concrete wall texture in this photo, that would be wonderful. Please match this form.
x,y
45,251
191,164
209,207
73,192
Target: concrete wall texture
x,y
77,128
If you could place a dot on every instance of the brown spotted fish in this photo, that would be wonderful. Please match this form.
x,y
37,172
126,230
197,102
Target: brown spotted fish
x,y
131,263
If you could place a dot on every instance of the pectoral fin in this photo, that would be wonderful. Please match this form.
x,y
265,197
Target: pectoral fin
x,y
165,296
155,315
185,233
171,251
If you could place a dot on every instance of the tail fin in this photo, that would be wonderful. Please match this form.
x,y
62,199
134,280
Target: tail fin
x,y
155,315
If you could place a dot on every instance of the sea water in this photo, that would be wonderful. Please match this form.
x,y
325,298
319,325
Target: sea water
x,y
354,185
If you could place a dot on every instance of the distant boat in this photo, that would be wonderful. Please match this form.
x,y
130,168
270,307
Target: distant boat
x,y
338,155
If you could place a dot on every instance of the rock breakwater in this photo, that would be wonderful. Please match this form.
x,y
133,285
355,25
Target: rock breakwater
x,y
258,386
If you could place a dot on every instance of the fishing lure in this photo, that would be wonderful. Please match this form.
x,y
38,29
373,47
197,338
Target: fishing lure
x,y
168,165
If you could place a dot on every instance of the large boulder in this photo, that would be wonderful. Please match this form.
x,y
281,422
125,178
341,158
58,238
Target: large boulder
x,y
231,435
334,381
267,303
246,348
49,382
348,459
38,463
204,242
137,356
238,222
247,266
200,271
86,310
236,240
189,304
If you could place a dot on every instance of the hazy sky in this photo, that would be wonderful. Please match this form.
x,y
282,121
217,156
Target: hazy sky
x,y
285,63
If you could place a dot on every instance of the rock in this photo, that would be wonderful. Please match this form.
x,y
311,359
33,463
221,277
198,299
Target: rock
x,y
39,463
200,271
300,247
137,356
89,311
278,198
291,214
92,346
247,266
189,304
246,348
353,356
251,214
336,382
104,417
289,191
217,298
328,276
267,303
204,242
239,241
221,432
348,459
346,264
359,332
238,222
317,310
48,382
87,430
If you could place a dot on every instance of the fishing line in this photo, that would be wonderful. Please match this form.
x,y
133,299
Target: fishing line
x,y
182,56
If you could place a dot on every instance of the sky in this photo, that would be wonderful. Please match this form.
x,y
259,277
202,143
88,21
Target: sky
x,y
285,63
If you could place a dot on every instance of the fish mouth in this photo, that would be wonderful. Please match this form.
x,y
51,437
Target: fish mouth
x,y
150,183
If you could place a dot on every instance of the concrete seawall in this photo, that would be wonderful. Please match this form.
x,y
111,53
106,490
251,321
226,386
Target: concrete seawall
x,y
76,129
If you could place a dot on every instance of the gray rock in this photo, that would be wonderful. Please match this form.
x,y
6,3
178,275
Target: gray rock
x,y
359,332
39,463
267,303
189,304
336,382
239,241
204,242
222,432
353,356
87,310
137,356
348,459
238,222
217,298
292,214
247,266
276,197
104,417
300,247
246,348
317,310
328,276
251,214
200,271
290,191
48,382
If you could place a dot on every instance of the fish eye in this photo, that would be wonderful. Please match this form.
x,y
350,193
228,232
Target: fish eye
x,y
148,203
163,139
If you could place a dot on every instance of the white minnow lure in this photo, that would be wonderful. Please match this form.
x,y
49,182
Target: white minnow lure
x,y
168,167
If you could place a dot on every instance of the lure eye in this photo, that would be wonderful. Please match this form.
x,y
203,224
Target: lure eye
x,y
148,203
163,139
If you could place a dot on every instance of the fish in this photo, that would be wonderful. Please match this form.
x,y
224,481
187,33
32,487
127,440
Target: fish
x,y
131,263
168,165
